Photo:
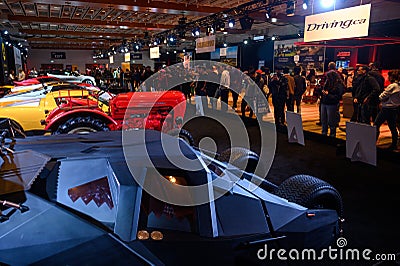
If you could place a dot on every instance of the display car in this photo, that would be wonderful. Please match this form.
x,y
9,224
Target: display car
x,y
73,77
36,80
68,108
76,200
29,108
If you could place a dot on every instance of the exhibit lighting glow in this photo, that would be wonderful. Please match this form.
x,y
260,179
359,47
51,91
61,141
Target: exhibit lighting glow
x,y
305,4
231,23
327,3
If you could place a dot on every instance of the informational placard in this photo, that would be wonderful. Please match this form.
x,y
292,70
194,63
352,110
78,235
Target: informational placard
x,y
127,57
339,24
295,128
205,44
361,142
58,55
154,52
199,105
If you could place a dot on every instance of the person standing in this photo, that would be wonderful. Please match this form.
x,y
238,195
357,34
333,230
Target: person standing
x,y
225,84
390,99
280,92
331,94
299,88
212,86
366,95
291,84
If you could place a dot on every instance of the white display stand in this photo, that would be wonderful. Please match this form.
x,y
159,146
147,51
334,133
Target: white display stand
x,y
199,105
295,128
361,142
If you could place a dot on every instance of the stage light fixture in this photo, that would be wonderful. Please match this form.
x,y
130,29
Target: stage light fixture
x,y
196,32
231,23
305,4
209,30
268,11
246,22
327,3
290,7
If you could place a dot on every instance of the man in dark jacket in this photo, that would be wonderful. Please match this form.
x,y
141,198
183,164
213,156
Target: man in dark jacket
x,y
366,95
280,93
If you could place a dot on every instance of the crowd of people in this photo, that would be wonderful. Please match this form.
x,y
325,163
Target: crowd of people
x,y
373,104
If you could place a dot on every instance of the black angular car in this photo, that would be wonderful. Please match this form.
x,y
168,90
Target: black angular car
x,y
95,199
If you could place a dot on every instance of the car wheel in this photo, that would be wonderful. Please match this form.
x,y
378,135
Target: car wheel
x,y
78,125
88,81
183,134
240,157
311,192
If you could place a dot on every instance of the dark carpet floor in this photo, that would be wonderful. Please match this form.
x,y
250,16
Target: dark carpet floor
x,y
370,193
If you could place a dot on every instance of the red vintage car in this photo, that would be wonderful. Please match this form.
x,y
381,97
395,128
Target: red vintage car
x,y
162,111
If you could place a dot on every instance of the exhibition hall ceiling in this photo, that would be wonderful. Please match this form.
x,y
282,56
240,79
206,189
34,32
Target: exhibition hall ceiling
x,y
99,24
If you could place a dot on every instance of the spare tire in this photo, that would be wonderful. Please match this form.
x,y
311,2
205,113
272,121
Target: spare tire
x,y
183,134
311,192
240,157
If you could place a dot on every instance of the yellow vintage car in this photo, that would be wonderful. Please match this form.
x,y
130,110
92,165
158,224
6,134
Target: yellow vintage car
x,y
29,109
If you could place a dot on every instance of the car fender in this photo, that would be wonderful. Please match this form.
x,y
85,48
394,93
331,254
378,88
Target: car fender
x,y
56,120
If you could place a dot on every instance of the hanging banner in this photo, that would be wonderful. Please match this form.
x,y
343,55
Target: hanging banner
x,y
205,44
17,57
339,24
154,52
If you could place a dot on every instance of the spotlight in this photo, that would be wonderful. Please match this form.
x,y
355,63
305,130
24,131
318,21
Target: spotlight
x,y
268,13
274,20
167,52
231,23
290,7
196,32
273,38
305,4
5,32
327,3
245,41
225,44
155,43
174,51
184,50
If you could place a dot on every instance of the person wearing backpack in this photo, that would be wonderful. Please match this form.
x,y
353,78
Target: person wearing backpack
x,y
390,100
